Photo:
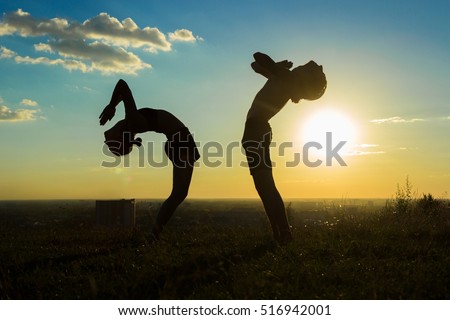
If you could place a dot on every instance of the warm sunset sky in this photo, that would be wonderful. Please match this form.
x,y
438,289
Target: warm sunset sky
x,y
387,65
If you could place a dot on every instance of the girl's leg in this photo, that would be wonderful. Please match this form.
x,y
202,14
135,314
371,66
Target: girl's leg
x,y
180,187
273,204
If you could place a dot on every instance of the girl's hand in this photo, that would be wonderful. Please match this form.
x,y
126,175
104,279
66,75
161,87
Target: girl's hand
x,y
108,113
285,64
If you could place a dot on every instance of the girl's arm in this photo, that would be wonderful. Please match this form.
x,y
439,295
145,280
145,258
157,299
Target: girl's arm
x,y
265,65
121,93
135,122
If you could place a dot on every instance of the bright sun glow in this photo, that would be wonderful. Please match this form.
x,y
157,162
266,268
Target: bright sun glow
x,y
315,128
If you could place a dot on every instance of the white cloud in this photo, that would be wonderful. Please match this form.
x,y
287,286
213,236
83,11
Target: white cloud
x,y
125,33
5,53
43,47
7,114
396,120
76,88
101,43
67,64
103,58
182,35
367,145
29,103
364,152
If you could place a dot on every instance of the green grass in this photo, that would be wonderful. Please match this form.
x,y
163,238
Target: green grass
x,y
223,250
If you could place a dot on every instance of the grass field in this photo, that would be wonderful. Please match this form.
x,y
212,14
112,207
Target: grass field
x,y
223,250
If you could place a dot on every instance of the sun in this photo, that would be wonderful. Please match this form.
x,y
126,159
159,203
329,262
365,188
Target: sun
x,y
315,127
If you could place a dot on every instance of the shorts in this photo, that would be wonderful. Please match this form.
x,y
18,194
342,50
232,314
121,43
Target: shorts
x,y
181,149
256,142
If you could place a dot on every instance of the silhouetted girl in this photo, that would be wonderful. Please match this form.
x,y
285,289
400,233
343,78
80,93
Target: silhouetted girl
x,y
304,82
180,146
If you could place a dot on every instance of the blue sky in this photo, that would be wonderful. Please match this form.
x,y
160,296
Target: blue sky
x,y
387,65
